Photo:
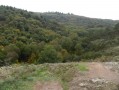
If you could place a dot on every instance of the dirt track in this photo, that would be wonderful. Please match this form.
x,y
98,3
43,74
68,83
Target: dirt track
x,y
98,77
48,86
100,71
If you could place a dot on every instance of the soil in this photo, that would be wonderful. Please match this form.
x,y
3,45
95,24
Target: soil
x,y
99,70
99,77
48,86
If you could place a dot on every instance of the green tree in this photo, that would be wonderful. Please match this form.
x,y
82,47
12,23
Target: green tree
x,y
78,49
48,55
116,27
12,54
2,57
66,43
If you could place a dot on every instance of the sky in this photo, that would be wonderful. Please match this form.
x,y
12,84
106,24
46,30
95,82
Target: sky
x,y
105,9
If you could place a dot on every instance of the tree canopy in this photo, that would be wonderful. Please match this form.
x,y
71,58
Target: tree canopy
x,y
28,37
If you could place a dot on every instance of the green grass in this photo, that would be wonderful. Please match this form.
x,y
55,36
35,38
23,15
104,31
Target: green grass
x,y
82,67
65,73
24,77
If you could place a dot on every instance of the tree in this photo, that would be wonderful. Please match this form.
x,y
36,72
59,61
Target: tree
x,y
66,43
116,27
12,54
2,56
26,52
48,55
78,49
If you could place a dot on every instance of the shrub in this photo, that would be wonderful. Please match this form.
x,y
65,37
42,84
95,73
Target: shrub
x,y
48,55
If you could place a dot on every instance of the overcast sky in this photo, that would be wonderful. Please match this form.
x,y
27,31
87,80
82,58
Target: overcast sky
x,y
106,9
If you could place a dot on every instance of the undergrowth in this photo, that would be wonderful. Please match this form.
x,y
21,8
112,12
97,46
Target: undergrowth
x,y
24,77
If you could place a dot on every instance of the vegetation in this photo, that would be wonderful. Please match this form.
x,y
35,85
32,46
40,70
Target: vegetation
x,y
27,37
72,21
23,77
82,67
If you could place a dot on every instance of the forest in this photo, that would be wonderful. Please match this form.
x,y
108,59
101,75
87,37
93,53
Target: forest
x,y
54,37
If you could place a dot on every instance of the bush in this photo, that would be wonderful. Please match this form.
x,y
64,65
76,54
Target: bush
x,y
2,57
91,55
48,55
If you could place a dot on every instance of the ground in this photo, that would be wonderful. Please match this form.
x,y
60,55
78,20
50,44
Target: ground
x,y
48,86
99,77
62,76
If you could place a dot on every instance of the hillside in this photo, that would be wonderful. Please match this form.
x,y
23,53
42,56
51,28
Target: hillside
x,y
76,21
56,51
28,37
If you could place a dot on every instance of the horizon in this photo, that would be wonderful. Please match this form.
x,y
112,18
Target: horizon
x,y
100,9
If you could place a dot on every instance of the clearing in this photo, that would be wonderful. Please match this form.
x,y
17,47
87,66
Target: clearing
x,y
61,76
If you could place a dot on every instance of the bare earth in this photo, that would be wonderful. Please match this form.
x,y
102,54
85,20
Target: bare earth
x,y
100,71
98,77
48,86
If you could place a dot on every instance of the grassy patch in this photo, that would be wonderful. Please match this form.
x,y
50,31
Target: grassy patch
x,y
24,77
82,67
16,85
65,73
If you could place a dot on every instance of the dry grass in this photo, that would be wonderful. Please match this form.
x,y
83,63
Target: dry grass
x,y
23,77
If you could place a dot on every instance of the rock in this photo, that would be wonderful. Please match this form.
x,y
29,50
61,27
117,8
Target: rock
x,y
85,89
83,84
95,80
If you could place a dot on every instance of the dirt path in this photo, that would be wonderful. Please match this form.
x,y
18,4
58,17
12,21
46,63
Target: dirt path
x,y
48,86
100,71
97,78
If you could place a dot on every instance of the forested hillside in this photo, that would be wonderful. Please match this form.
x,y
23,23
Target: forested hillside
x,y
75,21
27,37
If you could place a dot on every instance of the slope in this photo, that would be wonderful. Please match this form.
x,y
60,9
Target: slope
x,y
28,37
78,21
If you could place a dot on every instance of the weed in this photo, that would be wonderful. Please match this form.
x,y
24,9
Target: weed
x,y
82,67
24,77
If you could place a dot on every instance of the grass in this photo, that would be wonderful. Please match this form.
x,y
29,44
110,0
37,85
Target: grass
x,y
64,72
82,67
24,77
